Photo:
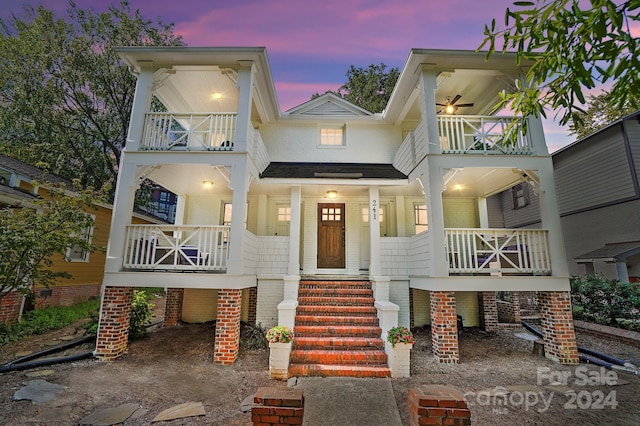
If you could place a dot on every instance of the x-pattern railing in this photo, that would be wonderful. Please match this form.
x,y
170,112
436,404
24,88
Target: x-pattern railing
x,y
481,134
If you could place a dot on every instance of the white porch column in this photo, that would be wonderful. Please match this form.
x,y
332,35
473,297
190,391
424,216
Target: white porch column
x,y
121,215
433,187
550,217
181,209
141,105
401,228
428,86
535,133
375,267
240,185
262,214
245,86
623,274
294,231
483,212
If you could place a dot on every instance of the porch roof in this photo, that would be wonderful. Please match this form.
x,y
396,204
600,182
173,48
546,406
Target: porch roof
x,y
612,252
332,171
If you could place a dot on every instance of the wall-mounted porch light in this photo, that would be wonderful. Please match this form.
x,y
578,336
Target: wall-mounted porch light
x,y
332,195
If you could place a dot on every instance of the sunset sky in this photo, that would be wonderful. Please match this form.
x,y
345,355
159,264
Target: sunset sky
x,y
311,44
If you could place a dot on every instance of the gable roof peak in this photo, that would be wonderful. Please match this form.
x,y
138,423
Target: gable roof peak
x,y
328,104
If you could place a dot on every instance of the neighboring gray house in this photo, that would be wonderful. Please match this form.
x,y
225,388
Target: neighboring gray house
x,y
598,198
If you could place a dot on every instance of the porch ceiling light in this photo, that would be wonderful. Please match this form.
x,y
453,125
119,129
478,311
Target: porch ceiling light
x,y
332,195
217,96
207,184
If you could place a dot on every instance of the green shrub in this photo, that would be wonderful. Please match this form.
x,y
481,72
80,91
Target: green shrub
x,y
140,314
42,320
606,301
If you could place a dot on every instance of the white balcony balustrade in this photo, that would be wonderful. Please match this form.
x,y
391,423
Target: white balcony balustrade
x,y
178,131
186,247
460,134
498,251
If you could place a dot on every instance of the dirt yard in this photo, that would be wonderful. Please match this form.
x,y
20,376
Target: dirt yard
x,y
174,365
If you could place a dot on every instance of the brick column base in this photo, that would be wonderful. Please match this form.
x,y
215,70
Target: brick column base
x,y
444,327
113,329
277,406
557,327
437,405
253,304
227,341
10,307
173,306
488,310
515,304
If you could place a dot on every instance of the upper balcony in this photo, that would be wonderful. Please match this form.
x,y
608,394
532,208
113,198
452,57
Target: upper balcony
x,y
464,134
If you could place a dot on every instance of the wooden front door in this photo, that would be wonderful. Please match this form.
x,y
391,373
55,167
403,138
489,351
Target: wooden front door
x,y
331,253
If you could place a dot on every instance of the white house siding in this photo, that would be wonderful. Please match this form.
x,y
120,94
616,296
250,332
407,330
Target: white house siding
x,y
298,142
270,294
273,255
467,306
460,212
394,255
409,219
201,210
419,254
199,305
421,307
399,294
593,173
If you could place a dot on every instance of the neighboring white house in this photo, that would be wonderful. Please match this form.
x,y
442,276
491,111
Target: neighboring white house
x,y
330,191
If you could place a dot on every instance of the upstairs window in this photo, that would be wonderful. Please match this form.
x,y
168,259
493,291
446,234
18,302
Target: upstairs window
x,y
332,136
520,194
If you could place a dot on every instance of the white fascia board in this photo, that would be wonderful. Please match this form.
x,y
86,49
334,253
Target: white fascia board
x,y
342,182
178,280
491,283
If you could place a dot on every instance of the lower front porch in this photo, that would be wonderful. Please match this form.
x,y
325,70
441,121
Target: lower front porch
x,y
388,304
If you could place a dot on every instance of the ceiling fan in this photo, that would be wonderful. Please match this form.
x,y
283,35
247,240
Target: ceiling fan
x,y
450,107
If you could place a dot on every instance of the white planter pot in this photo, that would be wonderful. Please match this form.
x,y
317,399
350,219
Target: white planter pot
x,y
399,359
279,360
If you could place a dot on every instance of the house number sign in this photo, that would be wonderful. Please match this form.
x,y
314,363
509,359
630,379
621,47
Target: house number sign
x,y
374,209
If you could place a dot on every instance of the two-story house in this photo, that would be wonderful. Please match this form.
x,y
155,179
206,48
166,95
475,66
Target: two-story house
x,y
327,218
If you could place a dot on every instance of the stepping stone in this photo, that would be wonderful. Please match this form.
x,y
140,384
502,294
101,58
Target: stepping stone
x,y
188,409
23,353
247,404
68,338
527,336
38,391
39,373
110,416
52,343
559,388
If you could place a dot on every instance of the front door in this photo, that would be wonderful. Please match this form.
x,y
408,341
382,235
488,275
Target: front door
x,y
331,236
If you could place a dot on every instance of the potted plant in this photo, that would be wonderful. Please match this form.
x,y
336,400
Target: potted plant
x,y
280,340
398,348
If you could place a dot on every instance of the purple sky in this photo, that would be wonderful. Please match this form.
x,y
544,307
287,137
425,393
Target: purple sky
x,y
311,44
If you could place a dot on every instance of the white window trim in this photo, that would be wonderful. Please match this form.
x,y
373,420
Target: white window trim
x,y
341,127
85,253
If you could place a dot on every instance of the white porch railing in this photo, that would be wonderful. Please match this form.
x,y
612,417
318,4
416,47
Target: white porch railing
x,y
201,131
186,247
461,134
257,150
473,250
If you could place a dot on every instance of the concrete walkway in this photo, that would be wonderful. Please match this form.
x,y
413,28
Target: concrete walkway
x,y
343,401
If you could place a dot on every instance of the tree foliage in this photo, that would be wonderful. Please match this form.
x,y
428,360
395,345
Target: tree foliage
x,y
368,88
33,236
573,46
599,112
65,95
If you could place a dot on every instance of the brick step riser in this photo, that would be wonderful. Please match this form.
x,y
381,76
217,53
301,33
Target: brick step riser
x,y
314,320
333,292
343,311
336,301
340,344
329,331
297,370
339,358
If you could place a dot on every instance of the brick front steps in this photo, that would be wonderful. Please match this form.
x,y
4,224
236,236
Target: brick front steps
x,y
337,332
